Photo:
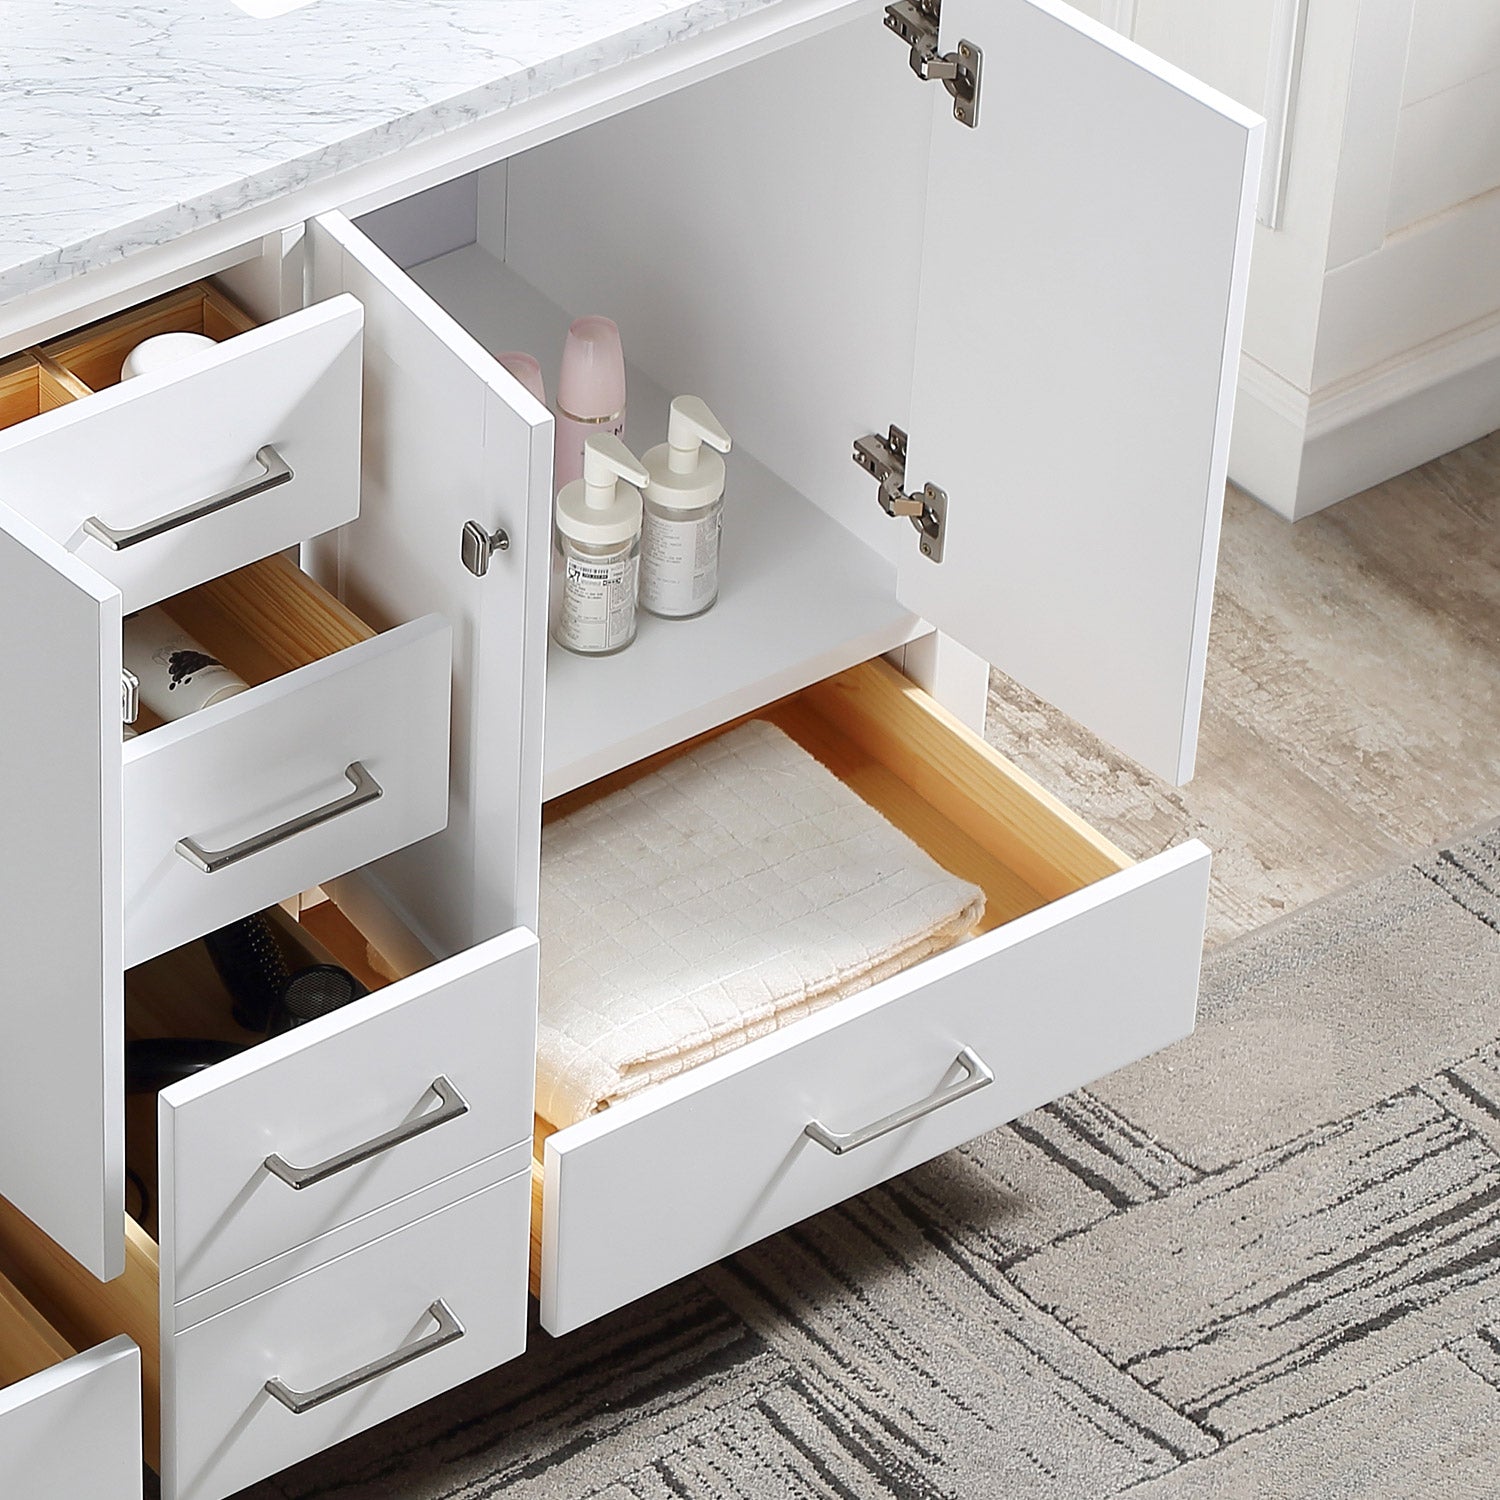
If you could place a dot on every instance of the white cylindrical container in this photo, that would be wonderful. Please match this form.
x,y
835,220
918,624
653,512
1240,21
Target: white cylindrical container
x,y
162,350
177,676
596,615
683,515
599,545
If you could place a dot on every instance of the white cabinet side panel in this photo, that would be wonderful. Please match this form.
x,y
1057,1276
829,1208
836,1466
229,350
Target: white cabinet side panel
x,y
1082,299
450,437
62,1120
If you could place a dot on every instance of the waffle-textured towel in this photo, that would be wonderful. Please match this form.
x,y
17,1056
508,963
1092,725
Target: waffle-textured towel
x,y
730,893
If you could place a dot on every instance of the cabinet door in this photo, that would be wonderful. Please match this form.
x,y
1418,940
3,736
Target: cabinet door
x,y
444,445
1082,296
62,1120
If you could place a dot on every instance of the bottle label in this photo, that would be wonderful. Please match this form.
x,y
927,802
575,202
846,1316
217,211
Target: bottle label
x,y
680,564
185,664
598,605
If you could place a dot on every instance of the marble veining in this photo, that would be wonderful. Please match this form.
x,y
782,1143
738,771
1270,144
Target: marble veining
x,y
123,126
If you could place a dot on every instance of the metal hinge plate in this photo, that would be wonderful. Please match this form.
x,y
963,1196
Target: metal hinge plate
x,y
927,510
916,23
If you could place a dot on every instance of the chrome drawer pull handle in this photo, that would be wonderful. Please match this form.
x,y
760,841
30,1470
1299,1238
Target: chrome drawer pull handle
x,y
447,1331
366,789
453,1104
275,471
976,1076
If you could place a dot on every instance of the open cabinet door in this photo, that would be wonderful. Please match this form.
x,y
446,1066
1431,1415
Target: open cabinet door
x,y
62,1022
1083,290
449,438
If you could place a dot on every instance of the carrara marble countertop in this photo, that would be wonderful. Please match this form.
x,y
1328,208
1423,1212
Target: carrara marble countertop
x,y
123,125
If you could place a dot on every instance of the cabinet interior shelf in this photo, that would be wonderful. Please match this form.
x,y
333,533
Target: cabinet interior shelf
x,y
800,597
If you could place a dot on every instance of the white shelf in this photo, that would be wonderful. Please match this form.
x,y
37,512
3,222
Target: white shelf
x,y
799,597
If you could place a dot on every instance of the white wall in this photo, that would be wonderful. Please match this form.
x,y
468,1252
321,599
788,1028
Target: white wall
x,y
1372,338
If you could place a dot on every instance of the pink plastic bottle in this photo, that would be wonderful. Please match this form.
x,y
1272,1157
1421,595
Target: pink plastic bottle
x,y
590,394
526,369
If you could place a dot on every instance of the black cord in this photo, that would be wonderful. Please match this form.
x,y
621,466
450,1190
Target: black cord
x,y
139,1184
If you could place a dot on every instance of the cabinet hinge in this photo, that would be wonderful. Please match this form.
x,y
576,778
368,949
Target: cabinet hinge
x,y
916,23
885,458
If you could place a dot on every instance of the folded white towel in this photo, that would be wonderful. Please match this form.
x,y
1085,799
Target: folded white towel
x,y
732,892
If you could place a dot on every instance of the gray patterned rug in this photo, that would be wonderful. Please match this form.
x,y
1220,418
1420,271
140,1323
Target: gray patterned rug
x,y
1264,1263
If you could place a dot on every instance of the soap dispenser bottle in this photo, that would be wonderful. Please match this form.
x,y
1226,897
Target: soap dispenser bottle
x,y
599,542
684,512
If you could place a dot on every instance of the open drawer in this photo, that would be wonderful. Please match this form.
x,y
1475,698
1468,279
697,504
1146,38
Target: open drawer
x,y
1084,962
182,474
337,755
70,1424
311,1130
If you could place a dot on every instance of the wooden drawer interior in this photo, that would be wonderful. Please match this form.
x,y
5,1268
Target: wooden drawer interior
x,y
30,385
84,1311
28,1342
263,621
92,356
934,779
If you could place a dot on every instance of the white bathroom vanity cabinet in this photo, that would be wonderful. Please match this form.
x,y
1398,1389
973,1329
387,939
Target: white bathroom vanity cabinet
x,y
1037,274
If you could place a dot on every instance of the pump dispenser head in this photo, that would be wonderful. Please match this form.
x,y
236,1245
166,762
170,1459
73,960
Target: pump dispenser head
x,y
690,425
603,507
683,476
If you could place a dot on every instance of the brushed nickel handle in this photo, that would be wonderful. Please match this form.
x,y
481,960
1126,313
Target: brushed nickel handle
x,y
976,1076
452,1105
274,471
366,789
447,1331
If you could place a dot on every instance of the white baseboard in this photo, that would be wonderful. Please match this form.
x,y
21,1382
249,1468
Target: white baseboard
x,y
1299,453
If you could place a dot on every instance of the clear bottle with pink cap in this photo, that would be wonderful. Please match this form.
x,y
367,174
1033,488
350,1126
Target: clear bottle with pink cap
x,y
590,394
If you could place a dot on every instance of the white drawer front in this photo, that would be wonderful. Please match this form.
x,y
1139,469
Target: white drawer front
x,y
317,1095
222,1429
250,766
74,1432
162,444
679,1177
